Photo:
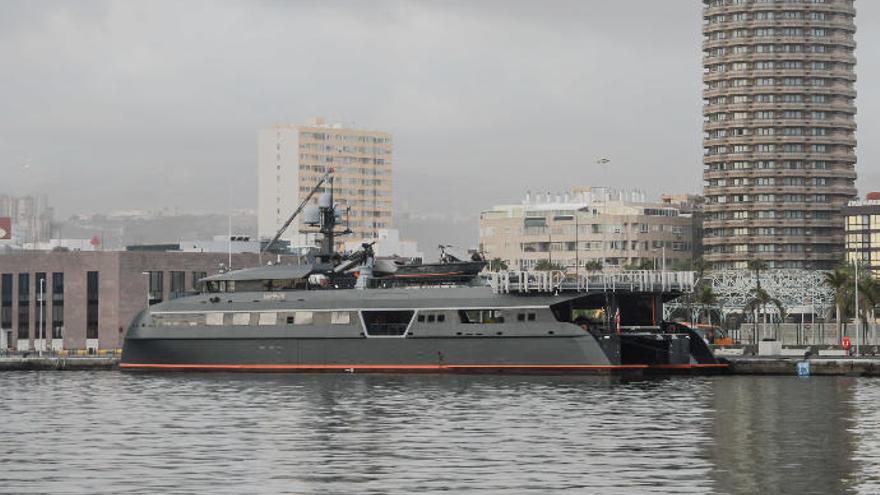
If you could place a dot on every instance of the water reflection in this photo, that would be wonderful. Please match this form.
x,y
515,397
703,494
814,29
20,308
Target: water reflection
x,y
194,433
783,435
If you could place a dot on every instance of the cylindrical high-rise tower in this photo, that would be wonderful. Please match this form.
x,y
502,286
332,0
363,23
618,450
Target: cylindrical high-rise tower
x,y
779,149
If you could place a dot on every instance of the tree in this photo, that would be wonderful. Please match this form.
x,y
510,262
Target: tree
x,y
641,265
758,301
593,266
706,298
547,265
498,265
699,265
839,280
869,297
757,266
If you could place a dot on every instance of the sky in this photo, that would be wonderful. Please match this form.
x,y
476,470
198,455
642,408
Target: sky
x,y
115,105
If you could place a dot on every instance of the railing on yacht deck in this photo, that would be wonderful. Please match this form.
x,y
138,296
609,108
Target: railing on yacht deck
x,y
615,281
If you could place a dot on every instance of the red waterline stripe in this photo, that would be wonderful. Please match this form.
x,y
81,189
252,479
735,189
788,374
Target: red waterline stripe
x,y
688,366
382,366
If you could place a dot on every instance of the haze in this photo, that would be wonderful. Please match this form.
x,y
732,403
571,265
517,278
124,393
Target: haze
x,y
109,105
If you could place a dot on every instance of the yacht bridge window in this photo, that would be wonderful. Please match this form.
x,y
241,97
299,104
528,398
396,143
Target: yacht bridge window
x,y
387,323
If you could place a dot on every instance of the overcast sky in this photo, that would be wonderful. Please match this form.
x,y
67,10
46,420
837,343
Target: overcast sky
x,y
108,105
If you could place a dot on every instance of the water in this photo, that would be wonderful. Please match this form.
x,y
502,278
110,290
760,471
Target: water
x,y
111,432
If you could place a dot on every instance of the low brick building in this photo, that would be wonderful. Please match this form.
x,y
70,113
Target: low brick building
x,y
89,298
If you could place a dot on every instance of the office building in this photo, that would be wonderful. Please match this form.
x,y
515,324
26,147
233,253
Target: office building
x,y
863,232
779,145
587,227
293,158
86,300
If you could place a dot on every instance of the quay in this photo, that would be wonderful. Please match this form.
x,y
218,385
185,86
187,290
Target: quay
x,y
737,365
787,365
60,363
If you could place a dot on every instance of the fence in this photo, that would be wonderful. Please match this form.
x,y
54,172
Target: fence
x,y
598,281
823,333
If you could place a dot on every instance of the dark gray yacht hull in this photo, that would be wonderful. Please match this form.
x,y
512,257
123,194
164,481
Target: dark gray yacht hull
x,y
316,331
473,354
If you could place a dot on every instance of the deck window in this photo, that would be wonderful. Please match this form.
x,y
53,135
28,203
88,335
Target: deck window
x,y
214,319
340,318
268,318
481,316
178,320
303,318
387,323
241,318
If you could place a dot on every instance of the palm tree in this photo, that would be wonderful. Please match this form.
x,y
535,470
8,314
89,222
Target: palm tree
x,y
547,265
758,266
699,265
498,265
869,297
706,297
593,266
759,300
839,280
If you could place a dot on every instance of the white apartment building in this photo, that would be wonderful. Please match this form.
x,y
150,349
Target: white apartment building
x,y
586,227
293,158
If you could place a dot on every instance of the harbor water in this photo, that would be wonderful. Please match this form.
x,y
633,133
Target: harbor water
x,y
115,432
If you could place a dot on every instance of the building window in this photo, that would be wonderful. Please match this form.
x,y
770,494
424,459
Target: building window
x,y
57,305
178,284
92,305
157,282
6,301
196,276
24,291
40,289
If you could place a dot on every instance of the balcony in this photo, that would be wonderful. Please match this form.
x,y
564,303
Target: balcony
x,y
838,123
804,73
834,90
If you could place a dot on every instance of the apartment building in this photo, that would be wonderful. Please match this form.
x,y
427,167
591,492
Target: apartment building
x,y
587,227
293,158
779,144
863,232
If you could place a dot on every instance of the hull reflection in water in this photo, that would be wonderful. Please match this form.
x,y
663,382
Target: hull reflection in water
x,y
343,433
